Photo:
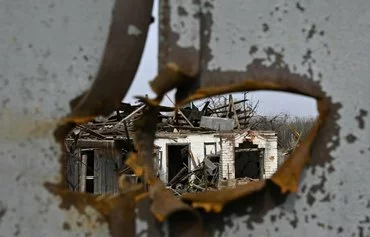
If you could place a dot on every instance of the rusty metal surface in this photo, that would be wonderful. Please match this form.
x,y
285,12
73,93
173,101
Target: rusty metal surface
x,y
306,47
58,48
297,47
120,61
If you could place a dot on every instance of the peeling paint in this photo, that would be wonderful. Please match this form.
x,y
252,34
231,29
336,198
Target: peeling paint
x,y
361,118
189,31
2,211
133,30
209,60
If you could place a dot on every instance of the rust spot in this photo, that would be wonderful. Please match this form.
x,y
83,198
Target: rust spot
x,y
331,169
182,11
208,4
66,226
253,49
326,198
311,32
265,27
351,138
299,7
360,118
2,211
307,57
294,222
215,200
310,199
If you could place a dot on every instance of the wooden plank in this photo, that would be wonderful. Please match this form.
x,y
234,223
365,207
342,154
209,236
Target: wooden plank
x,y
83,173
76,156
97,173
114,177
92,132
233,109
103,181
130,115
247,150
109,173
70,172
180,112
192,158
227,105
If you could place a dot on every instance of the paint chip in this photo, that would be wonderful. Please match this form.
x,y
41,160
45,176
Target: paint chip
x,y
360,118
299,7
351,138
133,30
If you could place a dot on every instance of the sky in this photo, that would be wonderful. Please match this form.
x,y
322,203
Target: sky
x,y
269,102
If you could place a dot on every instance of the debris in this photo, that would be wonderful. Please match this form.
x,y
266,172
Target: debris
x,y
218,124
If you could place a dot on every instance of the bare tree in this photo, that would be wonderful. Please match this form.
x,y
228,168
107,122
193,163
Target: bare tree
x,y
289,129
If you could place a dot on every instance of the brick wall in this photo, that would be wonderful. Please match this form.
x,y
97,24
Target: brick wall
x,y
196,142
227,165
225,145
268,141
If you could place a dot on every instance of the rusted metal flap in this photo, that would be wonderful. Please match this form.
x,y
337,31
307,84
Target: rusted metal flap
x,y
121,58
164,204
215,200
263,66
117,210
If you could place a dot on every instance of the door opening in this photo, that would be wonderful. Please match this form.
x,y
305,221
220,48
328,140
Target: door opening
x,y
178,158
248,161
87,171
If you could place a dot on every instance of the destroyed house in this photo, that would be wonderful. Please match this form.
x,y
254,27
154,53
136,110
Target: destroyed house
x,y
193,150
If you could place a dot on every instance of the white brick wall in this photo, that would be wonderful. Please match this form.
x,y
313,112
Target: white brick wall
x,y
225,144
196,142
268,141
227,159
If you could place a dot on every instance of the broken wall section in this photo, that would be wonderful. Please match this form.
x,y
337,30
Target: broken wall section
x,y
227,159
197,144
266,140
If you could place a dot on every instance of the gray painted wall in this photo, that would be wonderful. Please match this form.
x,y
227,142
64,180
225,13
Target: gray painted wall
x,y
43,51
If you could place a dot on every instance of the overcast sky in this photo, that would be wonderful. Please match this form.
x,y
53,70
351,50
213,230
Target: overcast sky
x,y
269,102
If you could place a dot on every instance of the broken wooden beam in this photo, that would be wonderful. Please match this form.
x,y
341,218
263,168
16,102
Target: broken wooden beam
x,y
88,130
130,115
89,143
